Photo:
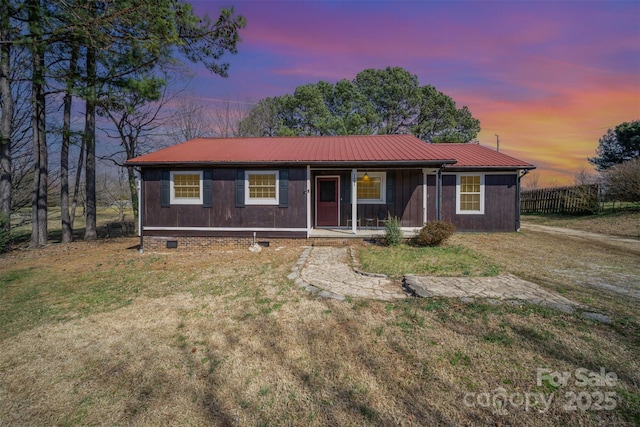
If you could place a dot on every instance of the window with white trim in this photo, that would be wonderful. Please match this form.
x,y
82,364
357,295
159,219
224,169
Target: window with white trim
x,y
186,188
470,194
372,187
261,188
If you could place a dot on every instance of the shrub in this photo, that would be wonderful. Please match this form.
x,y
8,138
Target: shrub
x,y
434,233
392,231
623,181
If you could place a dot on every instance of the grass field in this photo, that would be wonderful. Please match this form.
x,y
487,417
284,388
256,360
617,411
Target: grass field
x,y
99,334
21,223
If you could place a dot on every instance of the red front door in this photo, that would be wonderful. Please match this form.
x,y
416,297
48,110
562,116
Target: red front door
x,y
327,202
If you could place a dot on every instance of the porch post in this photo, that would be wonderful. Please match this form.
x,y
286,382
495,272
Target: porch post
x,y
424,196
308,201
354,200
438,194
521,174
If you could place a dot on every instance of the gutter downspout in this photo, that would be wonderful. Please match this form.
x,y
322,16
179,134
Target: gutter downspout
x,y
521,175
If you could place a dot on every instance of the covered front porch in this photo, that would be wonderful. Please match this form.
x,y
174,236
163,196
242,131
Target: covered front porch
x,y
358,201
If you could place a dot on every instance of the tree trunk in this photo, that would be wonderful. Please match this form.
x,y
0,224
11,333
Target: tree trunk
x,y
131,146
40,154
76,187
40,167
67,223
67,232
90,144
131,175
6,117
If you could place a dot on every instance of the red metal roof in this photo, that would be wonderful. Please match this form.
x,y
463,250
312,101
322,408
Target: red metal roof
x,y
327,150
475,155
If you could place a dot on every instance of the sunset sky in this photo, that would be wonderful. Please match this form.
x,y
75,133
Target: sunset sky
x,y
549,77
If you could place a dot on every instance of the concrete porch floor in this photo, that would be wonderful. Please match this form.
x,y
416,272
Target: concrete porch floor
x,y
361,233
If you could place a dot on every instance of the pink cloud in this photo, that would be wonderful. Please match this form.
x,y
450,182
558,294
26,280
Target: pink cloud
x,y
548,77
556,134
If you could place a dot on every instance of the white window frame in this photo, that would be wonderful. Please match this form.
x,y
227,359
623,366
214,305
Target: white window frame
x,y
383,188
467,212
185,200
261,201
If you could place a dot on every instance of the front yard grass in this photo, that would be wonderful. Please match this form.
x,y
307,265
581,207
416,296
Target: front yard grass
x,y
98,334
446,260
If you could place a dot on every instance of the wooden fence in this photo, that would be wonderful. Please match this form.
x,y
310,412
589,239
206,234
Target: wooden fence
x,y
578,199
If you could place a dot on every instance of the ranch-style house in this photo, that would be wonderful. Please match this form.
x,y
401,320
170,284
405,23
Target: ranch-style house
x,y
217,191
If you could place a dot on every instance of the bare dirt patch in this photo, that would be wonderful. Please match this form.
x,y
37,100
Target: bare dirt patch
x,y
573,266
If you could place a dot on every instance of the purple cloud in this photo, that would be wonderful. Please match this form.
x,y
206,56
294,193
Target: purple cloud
x,y
537,72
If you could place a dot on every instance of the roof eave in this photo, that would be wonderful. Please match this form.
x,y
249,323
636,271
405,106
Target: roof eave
x,y
495,168
367,163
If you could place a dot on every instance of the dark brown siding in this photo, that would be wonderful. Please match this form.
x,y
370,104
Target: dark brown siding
x,y
224,212
406,205
499,203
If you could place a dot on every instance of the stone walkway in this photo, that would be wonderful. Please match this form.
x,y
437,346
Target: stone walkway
x,y
328,271
504,287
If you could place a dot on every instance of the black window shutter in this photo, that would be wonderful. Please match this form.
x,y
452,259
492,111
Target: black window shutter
x,y
391,186
165,190
283,201
240,188
346,188
207,188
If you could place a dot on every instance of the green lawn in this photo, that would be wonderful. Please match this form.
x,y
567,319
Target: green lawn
x,y
446,260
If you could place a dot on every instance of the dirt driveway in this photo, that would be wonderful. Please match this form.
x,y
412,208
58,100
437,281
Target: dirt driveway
x,y
627,283
570,262
633,245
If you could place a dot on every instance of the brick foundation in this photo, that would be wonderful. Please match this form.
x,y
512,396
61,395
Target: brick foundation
x,y
191,243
